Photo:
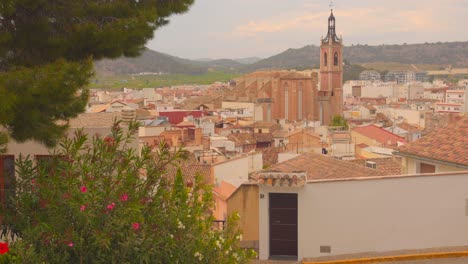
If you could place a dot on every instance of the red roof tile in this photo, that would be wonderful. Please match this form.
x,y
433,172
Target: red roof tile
x,y
320,167
448,144
409,127
241,139
224,190
380,135
385,166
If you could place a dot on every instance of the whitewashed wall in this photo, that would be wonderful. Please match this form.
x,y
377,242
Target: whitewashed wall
x,y
376,214
236,171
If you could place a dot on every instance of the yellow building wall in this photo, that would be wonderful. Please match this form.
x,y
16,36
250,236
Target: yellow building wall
x,y
244,201
303,142
411,166
359,138
366,154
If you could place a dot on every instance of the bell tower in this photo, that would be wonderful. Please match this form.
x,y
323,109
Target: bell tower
x,y
330,95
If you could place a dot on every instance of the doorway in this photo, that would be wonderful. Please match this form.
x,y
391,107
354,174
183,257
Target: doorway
x,y
283,225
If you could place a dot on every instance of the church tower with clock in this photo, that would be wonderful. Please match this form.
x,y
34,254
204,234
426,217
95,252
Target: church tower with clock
x,y
330,94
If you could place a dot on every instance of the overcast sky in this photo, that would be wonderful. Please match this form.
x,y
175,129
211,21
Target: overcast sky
x,y
262,28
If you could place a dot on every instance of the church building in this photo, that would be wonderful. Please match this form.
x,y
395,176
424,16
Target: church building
x,y
299,96
330,94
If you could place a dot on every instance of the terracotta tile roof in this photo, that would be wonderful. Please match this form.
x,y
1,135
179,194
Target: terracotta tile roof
x,y
280,134
409,127
224,190
263,137
186,124
295,75
88,120
241,139
385,166
380,135
320,167
189,172
305,131
261,124
449,144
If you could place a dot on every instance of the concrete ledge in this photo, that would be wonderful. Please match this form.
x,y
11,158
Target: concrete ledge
x,y
436,255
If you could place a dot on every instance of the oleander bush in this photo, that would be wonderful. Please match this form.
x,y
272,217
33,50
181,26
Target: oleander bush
x,y
101,201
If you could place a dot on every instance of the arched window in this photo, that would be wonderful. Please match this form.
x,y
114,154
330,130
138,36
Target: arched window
x,y
325,59
299,101
286,101
335,59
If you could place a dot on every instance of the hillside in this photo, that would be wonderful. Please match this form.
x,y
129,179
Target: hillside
x,y
153,61
149,61
429,56
450,53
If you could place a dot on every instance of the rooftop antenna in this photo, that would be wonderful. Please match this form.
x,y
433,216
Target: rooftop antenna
x,y
331,5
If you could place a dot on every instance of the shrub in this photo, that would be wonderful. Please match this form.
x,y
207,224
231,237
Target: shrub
x,y
99,201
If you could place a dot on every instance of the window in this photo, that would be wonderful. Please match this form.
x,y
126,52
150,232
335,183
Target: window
x,y
325,59
371,164
286,101
299,102
335,59
426,168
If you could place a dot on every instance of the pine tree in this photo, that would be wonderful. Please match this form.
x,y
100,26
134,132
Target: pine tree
x,y
46,53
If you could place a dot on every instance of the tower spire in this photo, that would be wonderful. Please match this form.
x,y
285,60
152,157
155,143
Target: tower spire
x,y
331,34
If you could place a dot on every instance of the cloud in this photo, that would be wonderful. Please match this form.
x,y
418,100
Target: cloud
x,y
266,27
278,24
349,21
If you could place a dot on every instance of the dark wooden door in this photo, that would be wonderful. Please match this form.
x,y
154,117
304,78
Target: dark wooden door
x,y
283,224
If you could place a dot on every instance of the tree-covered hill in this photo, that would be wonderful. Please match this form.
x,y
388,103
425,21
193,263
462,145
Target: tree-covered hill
x,y
448,53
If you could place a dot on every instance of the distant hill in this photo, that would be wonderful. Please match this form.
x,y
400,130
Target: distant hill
x,y
153,61
384,57
219,64
249,60
149,61
450,53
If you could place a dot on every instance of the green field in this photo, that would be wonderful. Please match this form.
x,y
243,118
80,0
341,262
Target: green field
x,y
155,81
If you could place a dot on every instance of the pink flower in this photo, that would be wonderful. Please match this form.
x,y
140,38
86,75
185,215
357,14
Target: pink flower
x,y
136,226
124,197
83,189
70,244
111,206
82,208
